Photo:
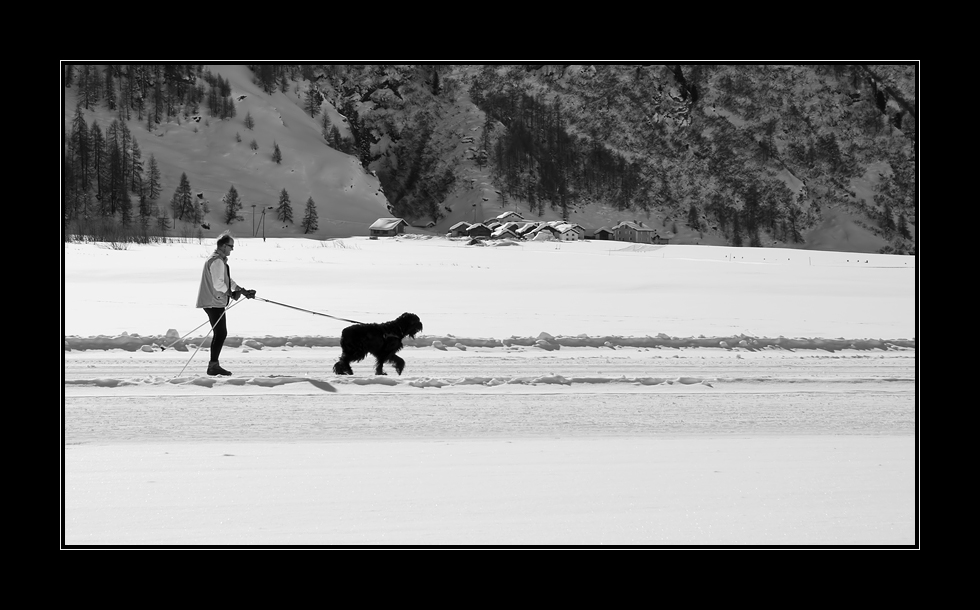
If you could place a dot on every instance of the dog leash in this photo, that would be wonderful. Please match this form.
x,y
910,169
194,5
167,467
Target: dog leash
x,y
316,313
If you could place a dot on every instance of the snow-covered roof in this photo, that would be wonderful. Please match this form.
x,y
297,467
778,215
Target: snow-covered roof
x,y
462,224
508,214
387,224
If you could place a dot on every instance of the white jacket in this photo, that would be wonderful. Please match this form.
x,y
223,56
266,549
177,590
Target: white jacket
x,y
216,283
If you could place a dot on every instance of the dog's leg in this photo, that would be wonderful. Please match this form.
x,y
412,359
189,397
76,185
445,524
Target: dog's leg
x,y
342,367
398,362
379,367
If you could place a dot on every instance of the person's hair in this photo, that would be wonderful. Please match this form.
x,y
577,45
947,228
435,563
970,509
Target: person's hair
x,y
224,238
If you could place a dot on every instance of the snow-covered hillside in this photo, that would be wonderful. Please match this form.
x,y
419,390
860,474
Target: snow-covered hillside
x,y
347,198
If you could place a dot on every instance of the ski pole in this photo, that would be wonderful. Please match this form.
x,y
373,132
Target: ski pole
x,y
205,337
165,347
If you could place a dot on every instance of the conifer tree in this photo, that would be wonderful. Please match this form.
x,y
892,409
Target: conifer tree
x,y
110,88
233,204
98,165
276,154
183,200
336,140
144,210
325,126
310,217
175,203
156,116
125,154
137,167
285,211
79,142
249,121
313,101
93,86
125,208
153,186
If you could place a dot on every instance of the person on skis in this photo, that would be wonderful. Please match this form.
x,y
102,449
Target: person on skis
x,y
213,296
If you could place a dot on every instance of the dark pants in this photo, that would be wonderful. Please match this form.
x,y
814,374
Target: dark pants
x,y
219,328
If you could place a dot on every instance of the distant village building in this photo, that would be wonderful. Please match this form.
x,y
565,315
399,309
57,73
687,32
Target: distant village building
x,y
545,229
604,233
509,217
388,227
639,233
567,233
525,229
478,230
459,229
504,232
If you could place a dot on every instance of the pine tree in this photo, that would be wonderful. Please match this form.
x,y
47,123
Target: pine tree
x,y
313,101
175,203
276,154
158,102
99,167
183,201
310,217
285,211
136,180
79,143
144,209
233,204
249,121
125,155
114,170
110,88
125,208
335,140
325,126
153,186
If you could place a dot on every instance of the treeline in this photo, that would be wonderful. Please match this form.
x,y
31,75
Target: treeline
x,y
712,145
536,159
154,93
106,181
543,155
401,105
104,171
105,177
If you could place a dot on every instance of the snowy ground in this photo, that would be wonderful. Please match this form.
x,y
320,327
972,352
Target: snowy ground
x,y
573,394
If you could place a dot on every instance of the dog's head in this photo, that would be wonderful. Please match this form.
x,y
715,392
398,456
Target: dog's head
x,y
409,324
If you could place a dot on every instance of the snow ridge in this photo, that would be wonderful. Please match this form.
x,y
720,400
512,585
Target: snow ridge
x,y
545,341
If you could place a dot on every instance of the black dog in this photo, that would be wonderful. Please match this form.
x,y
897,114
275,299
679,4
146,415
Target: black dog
x,y
382,341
